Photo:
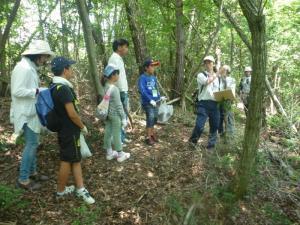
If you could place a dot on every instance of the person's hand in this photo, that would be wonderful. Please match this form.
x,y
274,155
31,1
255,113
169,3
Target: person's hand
x,y
124,123
84,130
153,103
163,98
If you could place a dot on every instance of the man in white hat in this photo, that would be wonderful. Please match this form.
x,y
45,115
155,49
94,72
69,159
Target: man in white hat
x,y
24,91
226,114
244,87
207,107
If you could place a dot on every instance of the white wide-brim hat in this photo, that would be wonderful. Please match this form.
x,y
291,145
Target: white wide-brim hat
x,y
248,69
209,58
38,47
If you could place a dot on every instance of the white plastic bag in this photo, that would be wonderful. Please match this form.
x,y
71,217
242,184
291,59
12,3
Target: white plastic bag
x,y
165,112
84,148
102,108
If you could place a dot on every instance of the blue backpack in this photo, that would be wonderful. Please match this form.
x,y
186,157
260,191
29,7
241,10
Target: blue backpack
x,y
46,111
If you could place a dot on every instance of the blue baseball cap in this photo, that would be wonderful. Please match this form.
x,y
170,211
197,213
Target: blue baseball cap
x,y
59,63
151,62
109,69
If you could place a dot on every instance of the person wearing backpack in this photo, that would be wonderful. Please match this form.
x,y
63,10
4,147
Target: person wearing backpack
x,y
24,91
207,107
66,107
150,98
116,118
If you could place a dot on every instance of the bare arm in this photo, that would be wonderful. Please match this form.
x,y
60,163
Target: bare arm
x,y
73,115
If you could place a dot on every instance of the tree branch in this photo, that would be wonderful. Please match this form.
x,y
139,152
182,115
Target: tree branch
x,y
9,23
235,25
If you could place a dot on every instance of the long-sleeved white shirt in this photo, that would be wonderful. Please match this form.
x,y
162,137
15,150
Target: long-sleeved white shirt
x,y
208,90
24,82
116,60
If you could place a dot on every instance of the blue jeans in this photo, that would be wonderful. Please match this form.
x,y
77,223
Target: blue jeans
x,y
28,162
206,109
125,100
151,115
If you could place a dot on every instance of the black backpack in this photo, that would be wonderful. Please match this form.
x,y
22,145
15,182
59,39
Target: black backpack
x,y
196,94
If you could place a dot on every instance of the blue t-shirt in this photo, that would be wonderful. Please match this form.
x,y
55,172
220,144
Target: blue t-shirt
x,y
148,88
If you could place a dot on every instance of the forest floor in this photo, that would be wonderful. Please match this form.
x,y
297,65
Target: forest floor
x,y
170,183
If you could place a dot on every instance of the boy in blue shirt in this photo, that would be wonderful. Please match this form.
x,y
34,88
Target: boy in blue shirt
x,y
150,98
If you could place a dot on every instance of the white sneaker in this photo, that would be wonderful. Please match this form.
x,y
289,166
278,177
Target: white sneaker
x,y
85,195
123,156
68,191
112,155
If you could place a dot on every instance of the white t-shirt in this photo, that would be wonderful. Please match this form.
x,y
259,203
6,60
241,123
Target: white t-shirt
x,y
118,62
208,90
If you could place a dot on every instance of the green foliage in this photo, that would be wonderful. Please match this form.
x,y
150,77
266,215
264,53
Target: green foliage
x,y
10,199
276,216
3,145
175,206
85,215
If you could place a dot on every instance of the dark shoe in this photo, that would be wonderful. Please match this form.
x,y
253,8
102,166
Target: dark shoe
x,y
39,177
210,147
150,141
31,186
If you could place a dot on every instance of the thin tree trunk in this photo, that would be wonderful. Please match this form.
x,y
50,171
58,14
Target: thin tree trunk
x,y
36,30
90,46
234,23
64,28
256,22
137,32
279,107
98,37
3,40
231,48
180,43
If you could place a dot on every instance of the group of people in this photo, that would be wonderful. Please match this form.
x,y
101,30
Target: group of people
x,y
217,113
25,87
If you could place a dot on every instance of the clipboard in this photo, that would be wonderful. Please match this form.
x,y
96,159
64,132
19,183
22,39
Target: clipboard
x,y
224,95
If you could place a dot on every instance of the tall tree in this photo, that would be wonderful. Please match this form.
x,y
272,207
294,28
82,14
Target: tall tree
x,y
180,42
64,27
137,32
254,13
98,35
3,40
90,46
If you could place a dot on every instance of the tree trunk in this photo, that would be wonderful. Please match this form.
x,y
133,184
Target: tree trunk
x,y
64,28
90,46
279,107
98,37
231,48
137,32
256,22
179,67
3,40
